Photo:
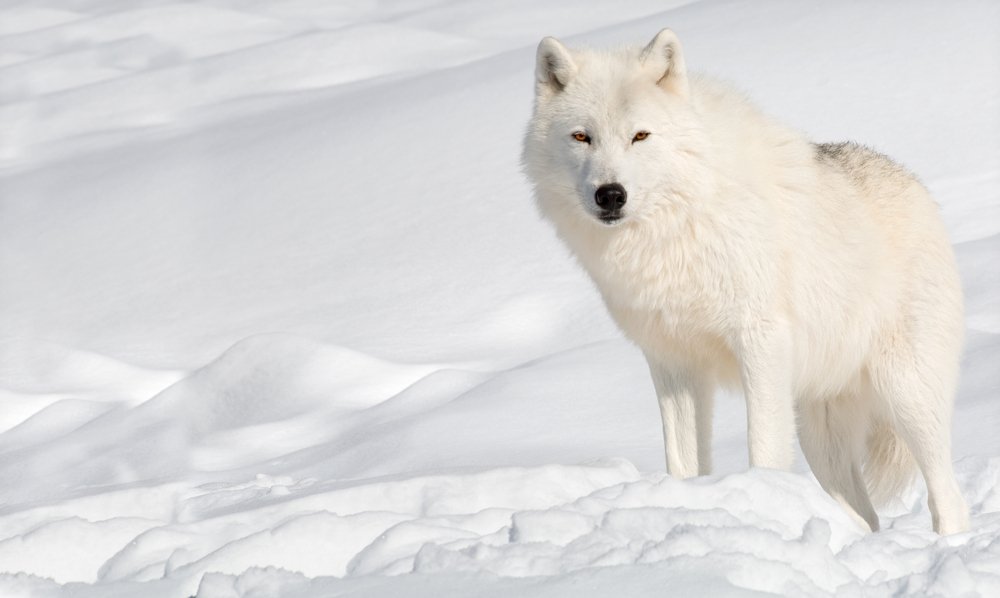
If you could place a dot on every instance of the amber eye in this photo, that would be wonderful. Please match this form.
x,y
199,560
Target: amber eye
x,y
581,137
641,135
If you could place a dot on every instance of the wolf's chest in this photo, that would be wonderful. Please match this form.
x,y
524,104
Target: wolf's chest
x,y
673,281
678,311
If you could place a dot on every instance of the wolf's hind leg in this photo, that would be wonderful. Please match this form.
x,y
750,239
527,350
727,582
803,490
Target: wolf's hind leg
x,y
921,414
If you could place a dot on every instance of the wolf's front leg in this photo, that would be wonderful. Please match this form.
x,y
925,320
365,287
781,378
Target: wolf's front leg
x,y
766,366
686,409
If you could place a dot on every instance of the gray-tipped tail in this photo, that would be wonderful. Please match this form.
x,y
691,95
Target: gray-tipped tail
x,y
890,468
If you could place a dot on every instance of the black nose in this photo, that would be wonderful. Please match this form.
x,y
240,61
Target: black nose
x,y
610,196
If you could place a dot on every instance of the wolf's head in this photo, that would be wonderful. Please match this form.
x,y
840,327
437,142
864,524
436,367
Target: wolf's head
x,y
610,129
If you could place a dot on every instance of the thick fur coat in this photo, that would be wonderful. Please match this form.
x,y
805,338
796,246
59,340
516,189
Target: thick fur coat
x,y
818,278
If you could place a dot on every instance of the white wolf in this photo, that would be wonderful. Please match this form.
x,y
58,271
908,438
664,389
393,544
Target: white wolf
x,y
733,251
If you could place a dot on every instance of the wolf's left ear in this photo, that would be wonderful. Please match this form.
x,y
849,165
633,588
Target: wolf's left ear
x,y
664,60
554,66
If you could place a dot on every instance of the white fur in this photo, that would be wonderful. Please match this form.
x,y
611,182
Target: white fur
x,y
819,278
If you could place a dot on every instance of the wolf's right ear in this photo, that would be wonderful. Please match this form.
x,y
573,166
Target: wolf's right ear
x,y
554,67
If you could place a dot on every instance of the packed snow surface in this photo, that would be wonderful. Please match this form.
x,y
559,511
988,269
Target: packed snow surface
x,y
278,316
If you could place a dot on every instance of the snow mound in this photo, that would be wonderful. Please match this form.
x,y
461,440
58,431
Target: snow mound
x,y
37,367
48,389
272,377
512,526
211,418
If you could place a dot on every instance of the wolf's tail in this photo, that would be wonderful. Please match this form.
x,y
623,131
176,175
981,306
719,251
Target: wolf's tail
x,y
890,468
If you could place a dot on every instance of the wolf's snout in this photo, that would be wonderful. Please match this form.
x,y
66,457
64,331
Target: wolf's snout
x,y
610,197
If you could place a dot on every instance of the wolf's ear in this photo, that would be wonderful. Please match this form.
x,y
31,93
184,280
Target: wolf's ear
x,y
664,60
554,67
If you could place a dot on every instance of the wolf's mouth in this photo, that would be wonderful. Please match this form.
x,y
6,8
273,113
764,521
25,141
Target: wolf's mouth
x,y
610,216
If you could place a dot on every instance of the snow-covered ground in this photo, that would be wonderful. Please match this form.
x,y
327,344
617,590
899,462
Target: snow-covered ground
x,y
278,317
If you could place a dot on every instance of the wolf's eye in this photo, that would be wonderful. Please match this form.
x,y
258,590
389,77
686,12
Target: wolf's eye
x,y
641,135
581,137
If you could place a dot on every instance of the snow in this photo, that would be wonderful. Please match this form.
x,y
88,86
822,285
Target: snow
x,y
278,317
